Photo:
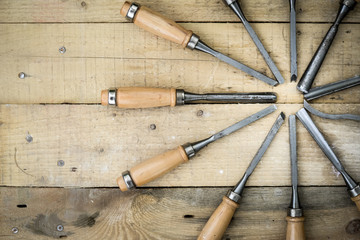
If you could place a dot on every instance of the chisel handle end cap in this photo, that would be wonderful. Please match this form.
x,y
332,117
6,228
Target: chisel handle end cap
x,y
104,97
125,8
295,228
356,200
120,181
152,168
219,220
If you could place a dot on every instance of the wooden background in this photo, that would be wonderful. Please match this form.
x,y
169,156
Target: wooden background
x,y
54,114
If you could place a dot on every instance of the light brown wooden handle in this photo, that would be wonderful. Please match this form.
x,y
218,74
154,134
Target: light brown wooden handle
x,y
159,25
219,220
357,201
295,228
133,97
155,167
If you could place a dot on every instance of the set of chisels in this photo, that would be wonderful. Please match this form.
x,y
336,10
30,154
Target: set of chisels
x,y
142,97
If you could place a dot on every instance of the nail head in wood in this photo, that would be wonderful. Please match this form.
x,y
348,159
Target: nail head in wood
x,y
62,49
60,163
22,75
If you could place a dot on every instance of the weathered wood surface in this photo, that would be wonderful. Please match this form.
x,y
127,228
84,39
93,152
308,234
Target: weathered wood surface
x,y
177,213
42,11
100,56
97,143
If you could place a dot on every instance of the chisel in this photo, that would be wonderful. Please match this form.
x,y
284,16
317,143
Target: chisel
x,y
166,28
234,5
332,88
161,164
293,54
312,69
136,97
316,112
353,187
295,219
221,217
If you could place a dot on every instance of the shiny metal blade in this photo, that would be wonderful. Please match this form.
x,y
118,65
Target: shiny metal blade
x,y
204,48
316,112
236,8
245,122
265,97
295,203
264,146
293,54
246,69
293,157
260,153
332,88
320,140
197,146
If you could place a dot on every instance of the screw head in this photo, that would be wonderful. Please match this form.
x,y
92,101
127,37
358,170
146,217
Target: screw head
x,y
62,49
152,126
21,75
60,163
15,230
60,228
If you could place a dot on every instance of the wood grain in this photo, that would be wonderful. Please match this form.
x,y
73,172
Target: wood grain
x,y
295,228
155,167
180,213
160,25
145,97
356,200
100,56
97,143
219,220
42,11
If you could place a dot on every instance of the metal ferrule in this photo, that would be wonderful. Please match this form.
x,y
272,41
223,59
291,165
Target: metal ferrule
x,y
128,180
193,41
112,97
180,97
189,150
192,148
233,196
132,11
355,191
295,212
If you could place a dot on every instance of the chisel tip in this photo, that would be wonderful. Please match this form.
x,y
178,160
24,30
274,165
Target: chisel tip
x,y
293,78
282,115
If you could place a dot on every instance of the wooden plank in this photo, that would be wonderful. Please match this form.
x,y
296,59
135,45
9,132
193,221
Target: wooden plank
x,y
100,56
97,143
41,11
179,213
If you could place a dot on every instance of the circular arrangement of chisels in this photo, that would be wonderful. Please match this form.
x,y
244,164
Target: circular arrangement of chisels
x,y
156,97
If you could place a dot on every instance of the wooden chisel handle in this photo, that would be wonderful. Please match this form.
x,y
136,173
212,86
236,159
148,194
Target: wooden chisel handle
x,y
154,167
159,25
295,228
133,97
219,220
357,201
